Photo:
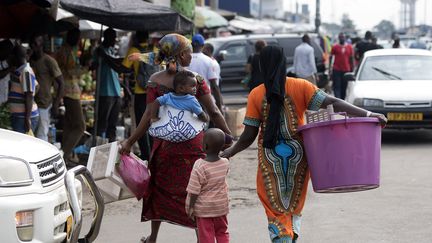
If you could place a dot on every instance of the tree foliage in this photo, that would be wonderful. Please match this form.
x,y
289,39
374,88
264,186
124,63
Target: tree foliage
x,y
348,25
384,29
332,29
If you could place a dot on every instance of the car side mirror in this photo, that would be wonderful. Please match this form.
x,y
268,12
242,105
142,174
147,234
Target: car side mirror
x,y
349,77
221,56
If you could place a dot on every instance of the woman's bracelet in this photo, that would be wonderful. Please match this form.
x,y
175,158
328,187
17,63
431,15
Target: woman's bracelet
x,y
368,114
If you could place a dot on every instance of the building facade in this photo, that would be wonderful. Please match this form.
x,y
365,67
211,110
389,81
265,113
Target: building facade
x,y
254,8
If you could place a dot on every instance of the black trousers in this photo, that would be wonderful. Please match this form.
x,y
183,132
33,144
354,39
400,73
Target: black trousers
x,y
145,142
339,84
108,114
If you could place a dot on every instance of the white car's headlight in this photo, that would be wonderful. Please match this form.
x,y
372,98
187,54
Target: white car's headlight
x,y
14,172
368,102
24,225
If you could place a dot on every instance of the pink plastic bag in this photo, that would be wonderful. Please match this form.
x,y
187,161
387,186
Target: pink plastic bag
x,y
135,175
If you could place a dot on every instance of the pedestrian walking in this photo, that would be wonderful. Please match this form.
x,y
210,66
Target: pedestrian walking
x,y
304,61
252,66
342,61
207,199
203,65
396,43
49,76
275,109
364,45
73,124
208,50
171,162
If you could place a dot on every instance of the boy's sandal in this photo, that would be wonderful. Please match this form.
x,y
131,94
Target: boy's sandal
x,y
143,239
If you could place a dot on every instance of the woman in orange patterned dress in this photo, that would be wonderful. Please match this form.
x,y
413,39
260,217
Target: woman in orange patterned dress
x,y
275,109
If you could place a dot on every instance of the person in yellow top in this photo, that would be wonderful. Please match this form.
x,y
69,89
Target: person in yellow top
x,y
140,45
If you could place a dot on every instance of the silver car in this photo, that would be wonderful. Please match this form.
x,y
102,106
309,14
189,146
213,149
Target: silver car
x,y
397,83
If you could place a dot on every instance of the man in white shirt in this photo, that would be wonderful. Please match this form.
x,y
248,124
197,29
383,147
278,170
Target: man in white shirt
x,y
208,50
304,61
203,65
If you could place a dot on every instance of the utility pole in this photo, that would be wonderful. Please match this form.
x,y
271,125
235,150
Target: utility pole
x,y
260,9
214,4
317,17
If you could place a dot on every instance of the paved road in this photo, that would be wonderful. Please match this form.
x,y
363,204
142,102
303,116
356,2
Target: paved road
x,y
399,211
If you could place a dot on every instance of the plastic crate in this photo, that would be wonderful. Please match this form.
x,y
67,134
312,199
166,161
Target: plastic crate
x,y
102,165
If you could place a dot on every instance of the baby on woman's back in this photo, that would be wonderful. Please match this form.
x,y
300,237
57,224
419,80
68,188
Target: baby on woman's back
x,y
183,97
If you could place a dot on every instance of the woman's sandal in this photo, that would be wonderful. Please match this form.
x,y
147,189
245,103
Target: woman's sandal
x,y
143,240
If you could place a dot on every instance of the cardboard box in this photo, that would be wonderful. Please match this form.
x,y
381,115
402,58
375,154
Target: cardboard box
x,y
234,119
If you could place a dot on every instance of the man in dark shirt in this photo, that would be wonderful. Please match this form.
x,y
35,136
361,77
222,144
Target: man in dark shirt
x,y
364,46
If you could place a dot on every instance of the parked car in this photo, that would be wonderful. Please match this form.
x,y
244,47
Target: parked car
x,y
40,201
233,52
397,83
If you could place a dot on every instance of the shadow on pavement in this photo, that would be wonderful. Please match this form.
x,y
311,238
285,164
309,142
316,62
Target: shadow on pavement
x,y
420,136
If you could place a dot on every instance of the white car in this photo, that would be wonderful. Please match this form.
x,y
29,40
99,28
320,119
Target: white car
x,y
396,83
40,201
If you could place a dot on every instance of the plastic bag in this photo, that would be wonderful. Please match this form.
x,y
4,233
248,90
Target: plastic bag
x,y
135,175
30,133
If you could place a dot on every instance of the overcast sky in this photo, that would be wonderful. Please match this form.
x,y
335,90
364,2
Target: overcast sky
x,y
365,13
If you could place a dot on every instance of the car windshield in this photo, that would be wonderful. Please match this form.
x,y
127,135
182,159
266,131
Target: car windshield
x,y
396,67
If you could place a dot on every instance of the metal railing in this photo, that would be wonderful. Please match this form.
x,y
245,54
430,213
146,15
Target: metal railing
x,y
75,205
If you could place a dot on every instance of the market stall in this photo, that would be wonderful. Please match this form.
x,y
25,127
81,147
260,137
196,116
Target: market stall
x,y
127,15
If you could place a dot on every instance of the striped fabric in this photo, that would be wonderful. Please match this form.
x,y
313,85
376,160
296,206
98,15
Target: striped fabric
x,y
208,181
22,81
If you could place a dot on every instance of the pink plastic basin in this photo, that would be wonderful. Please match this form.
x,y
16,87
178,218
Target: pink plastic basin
x,y
343,155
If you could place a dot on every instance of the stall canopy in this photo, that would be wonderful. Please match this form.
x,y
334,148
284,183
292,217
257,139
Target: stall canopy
x,y
251,25
129,15
207,18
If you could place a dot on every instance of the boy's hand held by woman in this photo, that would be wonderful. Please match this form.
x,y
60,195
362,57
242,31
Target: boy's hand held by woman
x,y
227,153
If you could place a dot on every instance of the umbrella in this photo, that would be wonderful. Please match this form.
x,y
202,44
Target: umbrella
x,y
90,29
129,14
65,15
207,18
19,18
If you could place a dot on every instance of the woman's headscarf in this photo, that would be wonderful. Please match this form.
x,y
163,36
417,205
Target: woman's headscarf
x,y
170,46
273,66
